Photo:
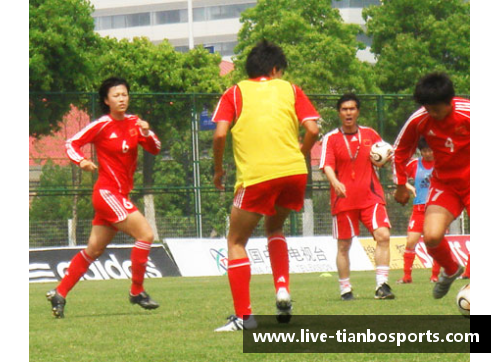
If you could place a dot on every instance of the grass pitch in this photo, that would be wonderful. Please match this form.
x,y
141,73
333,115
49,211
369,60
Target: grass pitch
x,y
101,325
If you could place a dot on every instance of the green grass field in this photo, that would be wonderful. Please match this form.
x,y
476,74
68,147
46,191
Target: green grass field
x,y
101,325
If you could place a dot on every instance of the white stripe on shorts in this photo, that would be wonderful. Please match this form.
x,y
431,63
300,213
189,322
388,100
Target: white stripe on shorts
x,y
335,227
114,204
374,217
238,199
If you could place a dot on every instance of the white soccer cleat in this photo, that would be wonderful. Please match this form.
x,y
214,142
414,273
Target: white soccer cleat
x,y
235,323
283,306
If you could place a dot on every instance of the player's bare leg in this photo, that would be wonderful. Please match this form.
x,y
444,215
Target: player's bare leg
x,y
138,227
100,237
409,256
278,255
382,237
242,223
344,268
437,220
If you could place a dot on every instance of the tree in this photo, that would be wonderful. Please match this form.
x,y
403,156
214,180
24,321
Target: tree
x,y
62,47
320,48
414,37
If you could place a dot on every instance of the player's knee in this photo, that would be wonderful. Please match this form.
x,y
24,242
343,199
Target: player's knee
x,y
147,236
94,251
432,238
382,236
343,248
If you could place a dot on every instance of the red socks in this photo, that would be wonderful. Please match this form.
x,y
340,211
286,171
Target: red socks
x,y
278,254
442,255
409,258
239,273
78,266
139,259
435,269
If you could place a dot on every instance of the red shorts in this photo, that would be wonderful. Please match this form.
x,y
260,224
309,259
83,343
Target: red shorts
x,y
452,200
346,223
110,207
261,198
416,224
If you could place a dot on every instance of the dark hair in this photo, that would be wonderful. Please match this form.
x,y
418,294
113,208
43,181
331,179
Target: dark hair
x,y
263,58
348,97
422,143
434,88
106,85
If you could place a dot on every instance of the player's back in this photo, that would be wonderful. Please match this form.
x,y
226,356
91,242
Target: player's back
x,y
265,136
449,139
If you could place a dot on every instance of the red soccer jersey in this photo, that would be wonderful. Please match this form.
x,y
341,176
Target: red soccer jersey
x,y
230,105
116,144
449,139
359,176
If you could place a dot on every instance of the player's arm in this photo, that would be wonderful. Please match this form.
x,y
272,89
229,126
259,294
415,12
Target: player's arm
x,y
308,117
327,164
411,171
148,140
338,186
219,144
225,112
310,137
404,148
74,145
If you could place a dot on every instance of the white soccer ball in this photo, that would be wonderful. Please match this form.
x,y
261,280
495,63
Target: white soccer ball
x,y
463,300
380,153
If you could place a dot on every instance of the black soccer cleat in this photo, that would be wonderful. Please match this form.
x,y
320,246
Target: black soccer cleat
x,y
58,302
444,283
347,296
384,292
144,300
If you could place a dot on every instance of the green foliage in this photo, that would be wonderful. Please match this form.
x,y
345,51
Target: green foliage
x,y
62,45
414,37
59,206
320,47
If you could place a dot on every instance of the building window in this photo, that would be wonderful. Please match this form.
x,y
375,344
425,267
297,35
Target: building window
x,y
141,19
199,14
342,4
171,17
226,12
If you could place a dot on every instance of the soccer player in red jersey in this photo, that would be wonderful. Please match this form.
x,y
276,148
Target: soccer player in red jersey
x,y
420,170
444,122
116,137
356,194
264,115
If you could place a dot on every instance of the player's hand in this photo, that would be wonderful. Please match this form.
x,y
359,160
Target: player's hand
x,y
218,175
339,189
402,195
144,126
87,165
411,189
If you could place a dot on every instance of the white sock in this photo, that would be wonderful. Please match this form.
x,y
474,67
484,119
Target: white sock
x,y
345,285
382,274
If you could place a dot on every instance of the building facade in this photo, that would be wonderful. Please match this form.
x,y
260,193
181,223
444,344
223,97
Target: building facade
x,y
215,23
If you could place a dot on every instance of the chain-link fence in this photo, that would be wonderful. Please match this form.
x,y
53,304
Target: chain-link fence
x,y
174,189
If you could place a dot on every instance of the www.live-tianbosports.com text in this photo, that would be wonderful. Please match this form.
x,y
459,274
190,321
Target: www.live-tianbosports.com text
x,y
342,336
